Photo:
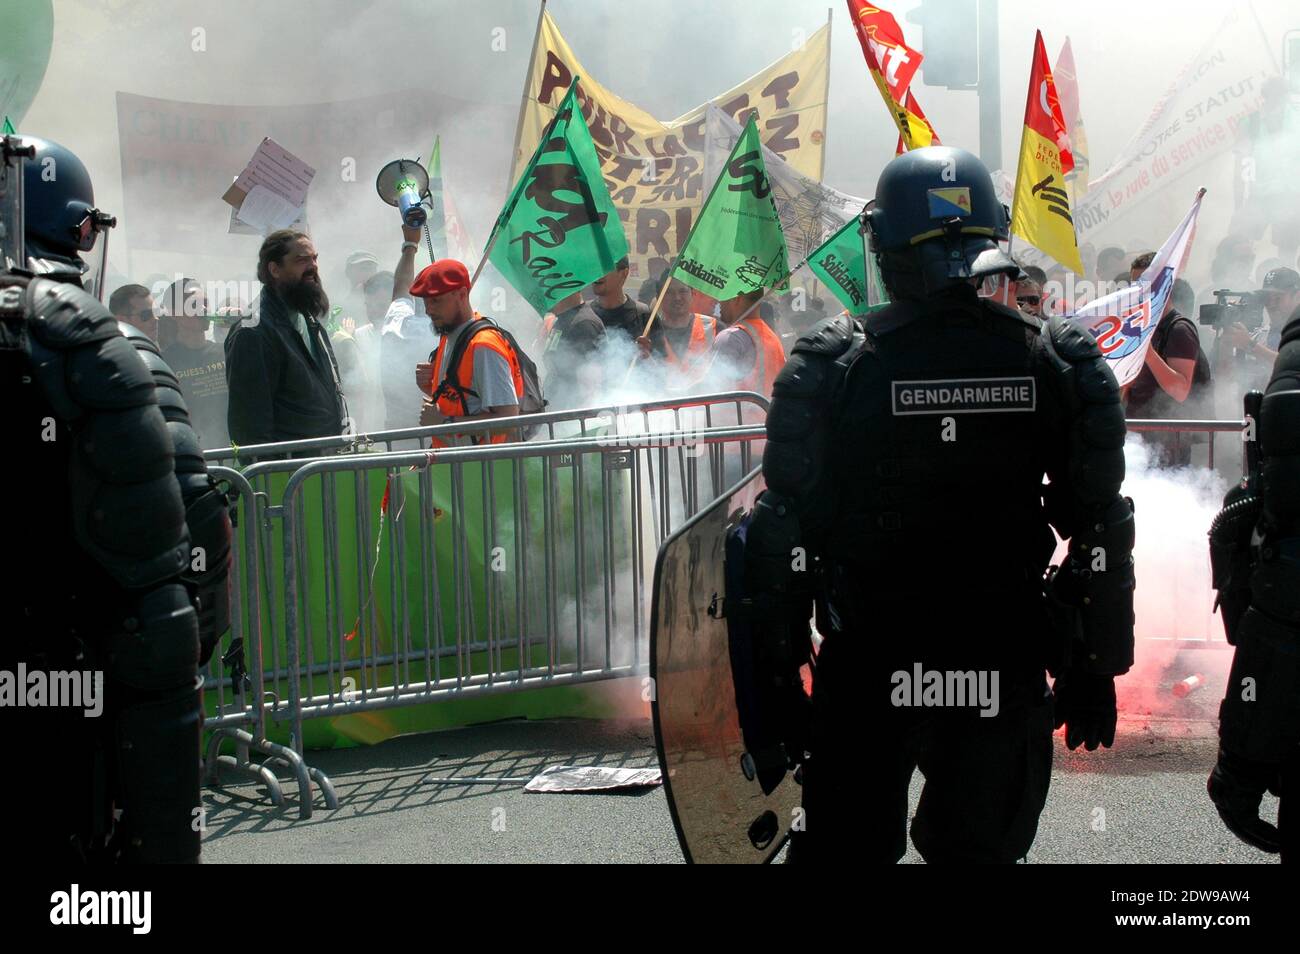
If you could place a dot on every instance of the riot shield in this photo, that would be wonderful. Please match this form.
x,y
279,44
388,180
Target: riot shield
x,y
718,807
12,248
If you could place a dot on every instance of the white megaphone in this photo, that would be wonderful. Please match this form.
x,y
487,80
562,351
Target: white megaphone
x,y
404,183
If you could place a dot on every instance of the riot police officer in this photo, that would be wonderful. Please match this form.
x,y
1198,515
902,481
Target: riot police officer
x,y
906,506
1255,553
116,581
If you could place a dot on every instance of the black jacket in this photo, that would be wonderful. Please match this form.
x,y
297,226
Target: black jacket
x,y
278,390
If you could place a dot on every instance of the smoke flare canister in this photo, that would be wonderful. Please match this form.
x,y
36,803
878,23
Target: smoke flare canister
x,y
1188,685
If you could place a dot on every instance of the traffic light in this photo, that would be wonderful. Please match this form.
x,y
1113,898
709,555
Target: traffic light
x,y
949,42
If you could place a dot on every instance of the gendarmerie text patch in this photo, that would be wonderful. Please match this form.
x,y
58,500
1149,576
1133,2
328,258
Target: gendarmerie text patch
x,y
964,396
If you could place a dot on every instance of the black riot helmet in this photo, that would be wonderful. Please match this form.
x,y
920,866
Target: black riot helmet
x,y
61,218
936,222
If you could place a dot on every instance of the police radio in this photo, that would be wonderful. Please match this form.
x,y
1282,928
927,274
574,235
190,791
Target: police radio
x,y
404,183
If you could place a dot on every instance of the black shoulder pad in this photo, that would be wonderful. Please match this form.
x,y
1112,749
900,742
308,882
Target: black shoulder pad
x,y
63,316
831,336
1013,314
1291,330
137,337
162,373
893,316
1070,341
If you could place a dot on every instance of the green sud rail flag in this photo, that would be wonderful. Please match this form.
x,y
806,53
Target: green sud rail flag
x,y
736,245
559,231
851,275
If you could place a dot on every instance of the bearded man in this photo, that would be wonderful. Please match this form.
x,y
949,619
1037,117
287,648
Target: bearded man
x,y
281,370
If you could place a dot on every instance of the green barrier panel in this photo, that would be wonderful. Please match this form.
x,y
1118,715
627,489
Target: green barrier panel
x,y
478,544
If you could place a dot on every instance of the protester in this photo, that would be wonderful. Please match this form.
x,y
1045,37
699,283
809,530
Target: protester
x,y
366,401
1029,291
613,305
486,382
1173,381
570,344
746,354
352,374
134,305
649,290
407,339
199,364
360,268
283,376
679,339
1088,258
1110,262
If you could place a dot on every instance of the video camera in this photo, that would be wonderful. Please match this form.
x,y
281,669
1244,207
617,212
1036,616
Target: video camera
x,y
1232,307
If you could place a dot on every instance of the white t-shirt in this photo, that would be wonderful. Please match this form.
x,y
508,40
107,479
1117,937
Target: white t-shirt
x,y
407,339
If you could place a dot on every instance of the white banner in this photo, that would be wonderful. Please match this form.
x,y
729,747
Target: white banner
x,y
1195,121
810,212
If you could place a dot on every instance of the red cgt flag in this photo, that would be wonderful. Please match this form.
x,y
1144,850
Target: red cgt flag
x,y
914,108
1043,107
883,46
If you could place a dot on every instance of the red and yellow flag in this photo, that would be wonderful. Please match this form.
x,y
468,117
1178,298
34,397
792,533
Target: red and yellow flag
x,y
1067,85
915,116
892,64
1041,211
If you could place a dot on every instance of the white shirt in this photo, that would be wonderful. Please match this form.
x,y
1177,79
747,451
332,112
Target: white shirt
x,y
407,339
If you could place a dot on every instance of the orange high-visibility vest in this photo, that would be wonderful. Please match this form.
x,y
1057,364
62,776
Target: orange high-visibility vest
x,y
769,356
451,402
688,365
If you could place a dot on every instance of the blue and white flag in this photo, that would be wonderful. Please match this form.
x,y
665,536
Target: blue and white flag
x,y
1124,321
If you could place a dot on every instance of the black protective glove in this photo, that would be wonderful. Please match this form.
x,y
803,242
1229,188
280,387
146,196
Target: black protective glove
x,y
1085,705
1237,787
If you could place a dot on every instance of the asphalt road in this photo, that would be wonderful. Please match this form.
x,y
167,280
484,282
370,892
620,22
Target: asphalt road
x,y
1150,786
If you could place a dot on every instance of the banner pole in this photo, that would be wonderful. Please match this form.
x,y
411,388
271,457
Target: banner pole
x,y
523,99
821,167
487,252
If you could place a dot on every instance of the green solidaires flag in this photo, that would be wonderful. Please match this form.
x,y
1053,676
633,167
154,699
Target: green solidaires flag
x,y
559,231
736,245
8,128
851,275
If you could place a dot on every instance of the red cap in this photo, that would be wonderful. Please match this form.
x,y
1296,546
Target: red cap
x,y
444,275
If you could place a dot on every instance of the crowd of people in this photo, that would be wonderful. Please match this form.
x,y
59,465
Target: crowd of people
x,y
291,365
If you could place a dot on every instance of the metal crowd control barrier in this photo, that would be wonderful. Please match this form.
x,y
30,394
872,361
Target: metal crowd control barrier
x,y
1215,638
1153,425
553,589
239,711
708,410
433,612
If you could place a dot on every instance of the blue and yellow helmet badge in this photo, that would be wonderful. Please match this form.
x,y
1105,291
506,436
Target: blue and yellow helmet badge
x,y
949,202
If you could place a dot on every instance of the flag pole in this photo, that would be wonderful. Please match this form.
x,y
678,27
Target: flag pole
x,y
523,97
821,168
511,199
685,245
482,262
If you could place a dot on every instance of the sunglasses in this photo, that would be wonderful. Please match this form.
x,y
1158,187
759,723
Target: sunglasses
x,y
1028,300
